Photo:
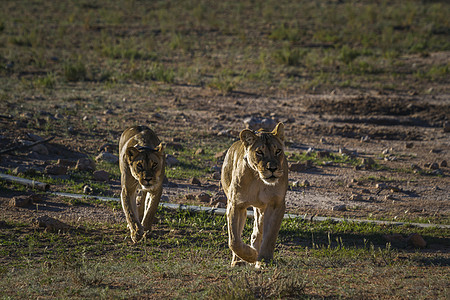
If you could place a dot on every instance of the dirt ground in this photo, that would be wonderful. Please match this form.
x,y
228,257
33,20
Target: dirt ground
x,y
405,135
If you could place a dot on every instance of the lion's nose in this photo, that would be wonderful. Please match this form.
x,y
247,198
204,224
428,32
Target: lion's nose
x,y
271,166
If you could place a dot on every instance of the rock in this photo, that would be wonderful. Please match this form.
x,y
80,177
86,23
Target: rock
x,y
218,200
396,240
196,181
171,160
203,197
101,175
298,166
434,166
40,149
339,208
409,145
164,198
108,157
443,164
52,224
20,201
416,240
85,164
55,170
255,123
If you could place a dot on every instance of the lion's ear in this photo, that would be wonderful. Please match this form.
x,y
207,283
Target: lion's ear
x,y
279,131
248,137
160,148
131,153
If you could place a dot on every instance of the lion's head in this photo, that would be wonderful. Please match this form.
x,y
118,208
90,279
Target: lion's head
x,y
264,153
146,164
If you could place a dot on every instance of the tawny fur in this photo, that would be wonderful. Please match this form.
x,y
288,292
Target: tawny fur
x,y
142,167
255,173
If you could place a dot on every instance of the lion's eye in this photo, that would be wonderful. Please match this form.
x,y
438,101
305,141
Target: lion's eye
x,y
278,152
259,153
155,165
139,167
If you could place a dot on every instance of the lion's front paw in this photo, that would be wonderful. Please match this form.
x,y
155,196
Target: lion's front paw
x,y
136,236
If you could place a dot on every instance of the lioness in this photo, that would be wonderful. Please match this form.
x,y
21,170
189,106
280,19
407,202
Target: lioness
x,y
142,166
255,173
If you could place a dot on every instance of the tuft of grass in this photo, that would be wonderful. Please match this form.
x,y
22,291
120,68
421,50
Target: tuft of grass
x,y
75,71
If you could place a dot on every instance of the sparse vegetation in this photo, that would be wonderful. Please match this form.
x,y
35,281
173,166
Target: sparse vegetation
x,y
361,74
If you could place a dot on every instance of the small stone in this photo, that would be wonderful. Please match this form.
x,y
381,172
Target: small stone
x,y
108,157
40,149
55,170
409,145
416,240
203,197
20,201
101,175
51,224
85,164
195,181
305,183
323,140
216,176
339,208
444,164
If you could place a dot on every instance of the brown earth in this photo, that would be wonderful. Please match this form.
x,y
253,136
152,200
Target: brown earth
x,y
404,134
